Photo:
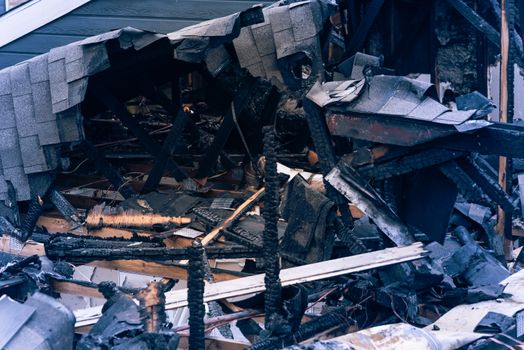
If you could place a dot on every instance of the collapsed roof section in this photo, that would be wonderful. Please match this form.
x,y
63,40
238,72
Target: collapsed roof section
x,y
267,44
40,106
40,98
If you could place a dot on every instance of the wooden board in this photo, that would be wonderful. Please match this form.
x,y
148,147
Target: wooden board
x,y
290,276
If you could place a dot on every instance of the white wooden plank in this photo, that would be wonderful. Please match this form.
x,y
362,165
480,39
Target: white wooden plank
x,y
33,15
290,276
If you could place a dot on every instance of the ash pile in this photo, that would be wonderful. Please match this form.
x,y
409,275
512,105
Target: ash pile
x,y
274,186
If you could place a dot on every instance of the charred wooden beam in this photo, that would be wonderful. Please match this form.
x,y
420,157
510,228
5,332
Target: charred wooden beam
x,y
489,185
195,296
272,300
466,186
239,102
105,168
81,250
105,96
497,139
36,208
476,21
64,207
327,158
358,38
408,163
166,152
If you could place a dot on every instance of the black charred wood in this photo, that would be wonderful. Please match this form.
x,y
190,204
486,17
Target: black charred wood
x,y
331,321
106,169
195,284
272,301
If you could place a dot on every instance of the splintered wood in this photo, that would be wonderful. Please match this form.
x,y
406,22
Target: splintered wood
x,y
102,216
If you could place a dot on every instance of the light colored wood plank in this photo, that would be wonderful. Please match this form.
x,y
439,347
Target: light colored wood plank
x,y
290,276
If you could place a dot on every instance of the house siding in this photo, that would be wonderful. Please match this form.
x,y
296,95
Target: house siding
x,y
100,16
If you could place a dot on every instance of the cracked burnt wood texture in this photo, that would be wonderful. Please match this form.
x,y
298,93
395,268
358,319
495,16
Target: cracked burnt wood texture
x,y
99,16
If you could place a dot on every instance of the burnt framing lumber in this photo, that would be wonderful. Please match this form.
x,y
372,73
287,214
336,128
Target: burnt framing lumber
x,y
166,152
476,21
327,157
497,139
105,96
105,168
357,39
489,185
75,253
195,297
469,189
240,100
408,163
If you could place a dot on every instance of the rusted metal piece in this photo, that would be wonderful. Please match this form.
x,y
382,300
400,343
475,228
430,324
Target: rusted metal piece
x,y
102,216
392,130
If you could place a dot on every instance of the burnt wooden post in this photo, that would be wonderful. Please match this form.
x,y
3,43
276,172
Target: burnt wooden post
x,y
504,223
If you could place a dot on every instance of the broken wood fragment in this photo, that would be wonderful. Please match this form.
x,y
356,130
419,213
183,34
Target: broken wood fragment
x,y
102,216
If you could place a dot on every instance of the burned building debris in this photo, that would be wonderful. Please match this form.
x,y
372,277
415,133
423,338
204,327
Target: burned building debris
x,y
307,175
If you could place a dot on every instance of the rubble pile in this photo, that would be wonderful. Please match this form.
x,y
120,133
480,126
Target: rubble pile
x,y
279,188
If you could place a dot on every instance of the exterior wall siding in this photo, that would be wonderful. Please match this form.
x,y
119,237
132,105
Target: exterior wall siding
x,y
100,16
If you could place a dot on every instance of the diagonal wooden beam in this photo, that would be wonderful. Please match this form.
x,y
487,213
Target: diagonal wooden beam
x,y
476,21
363,29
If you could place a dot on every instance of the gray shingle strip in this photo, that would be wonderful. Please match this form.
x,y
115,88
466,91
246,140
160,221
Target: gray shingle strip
x,y
269,62
48,133
303,22
5,82
70,125
32,154
263,38
42,102
285,43
280,18
7,112
58,53
76,92
217,59
57,79
38,69
245,48
20,182
9,148
74,53
257,70
75,70
96,59
25,115
20,82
